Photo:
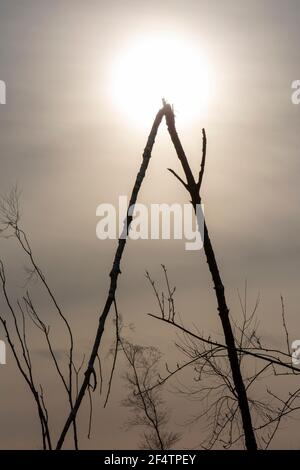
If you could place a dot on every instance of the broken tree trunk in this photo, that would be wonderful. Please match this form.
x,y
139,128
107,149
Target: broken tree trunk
x,y
193,188
114,274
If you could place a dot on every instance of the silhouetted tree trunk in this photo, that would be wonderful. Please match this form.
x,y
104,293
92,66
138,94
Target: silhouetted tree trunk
x,y
114,274
194,190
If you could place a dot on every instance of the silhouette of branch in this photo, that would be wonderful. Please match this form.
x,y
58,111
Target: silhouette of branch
x,y
212,378
25,368
114,274
193,189
100,374
246,351
77,372
146,403
91,412
178,177
115,354
9,219
203,161
285,326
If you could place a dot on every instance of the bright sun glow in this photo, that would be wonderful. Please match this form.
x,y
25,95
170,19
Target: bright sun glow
x,y
161,67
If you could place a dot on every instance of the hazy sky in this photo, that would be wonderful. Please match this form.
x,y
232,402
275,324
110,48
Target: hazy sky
x,y
68,144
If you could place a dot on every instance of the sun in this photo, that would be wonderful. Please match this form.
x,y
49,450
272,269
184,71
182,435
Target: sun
x,y
152,68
